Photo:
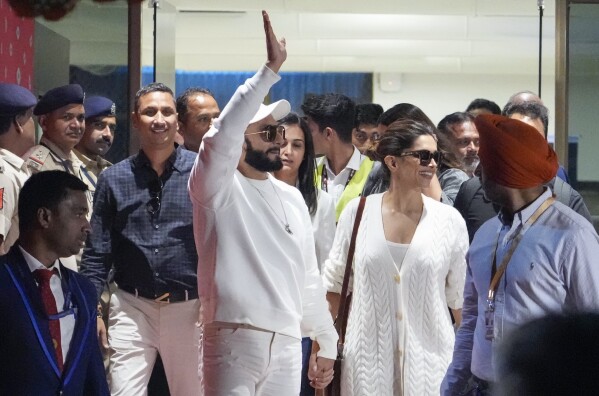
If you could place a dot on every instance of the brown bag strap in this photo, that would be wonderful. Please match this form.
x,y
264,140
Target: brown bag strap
x,y
342,313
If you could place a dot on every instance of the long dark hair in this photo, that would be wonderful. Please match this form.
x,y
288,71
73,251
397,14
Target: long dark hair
x,y
306,171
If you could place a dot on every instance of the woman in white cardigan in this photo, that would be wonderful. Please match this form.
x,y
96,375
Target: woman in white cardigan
x,y
409,266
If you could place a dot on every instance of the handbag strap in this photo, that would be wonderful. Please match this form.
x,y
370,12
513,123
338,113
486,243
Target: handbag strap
x,y
342,313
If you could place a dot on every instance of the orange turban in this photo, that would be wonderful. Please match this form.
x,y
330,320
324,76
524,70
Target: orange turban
x,y
513,153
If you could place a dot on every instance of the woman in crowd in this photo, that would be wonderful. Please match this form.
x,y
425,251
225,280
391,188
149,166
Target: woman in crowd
x,y
409,266
298,170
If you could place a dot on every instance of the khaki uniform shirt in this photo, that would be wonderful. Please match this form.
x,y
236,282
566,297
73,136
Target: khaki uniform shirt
x,y
95,165
13,174
47,156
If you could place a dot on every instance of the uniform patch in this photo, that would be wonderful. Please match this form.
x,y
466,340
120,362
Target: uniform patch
x,y
1,198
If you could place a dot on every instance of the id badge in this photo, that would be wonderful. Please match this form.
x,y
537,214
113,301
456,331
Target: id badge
x,y
490,321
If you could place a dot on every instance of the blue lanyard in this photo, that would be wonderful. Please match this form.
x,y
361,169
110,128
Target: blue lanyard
x,y
50,357
87,175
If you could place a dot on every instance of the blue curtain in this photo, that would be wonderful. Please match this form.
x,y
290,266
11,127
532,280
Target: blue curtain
x,y
293,85
112,83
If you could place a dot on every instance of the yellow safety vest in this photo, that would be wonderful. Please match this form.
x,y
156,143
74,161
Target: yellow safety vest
x,y
353,189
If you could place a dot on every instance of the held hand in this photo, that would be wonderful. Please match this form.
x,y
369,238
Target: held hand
x,y
277,53
320,371
102,338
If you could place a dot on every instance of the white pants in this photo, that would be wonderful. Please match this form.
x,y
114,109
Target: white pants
x,y
138,329
240,360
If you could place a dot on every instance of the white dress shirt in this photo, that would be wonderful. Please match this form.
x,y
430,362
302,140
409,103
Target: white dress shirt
x,y
67,323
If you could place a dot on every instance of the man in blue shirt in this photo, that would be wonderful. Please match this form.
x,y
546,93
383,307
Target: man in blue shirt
x,y
142,227
536,257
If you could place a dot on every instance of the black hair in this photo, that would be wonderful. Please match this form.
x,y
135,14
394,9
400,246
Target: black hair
x,y
484,104
449,160
183,99
400,136
45,190
368,114
306,171
457,118
533,110
7,120
153,87
404,111
331,110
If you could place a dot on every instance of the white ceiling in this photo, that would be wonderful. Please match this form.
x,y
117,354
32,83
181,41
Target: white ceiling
x,y
425,36
397,36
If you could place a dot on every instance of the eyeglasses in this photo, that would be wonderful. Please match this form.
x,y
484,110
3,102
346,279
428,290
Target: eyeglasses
x,y
155,187
362,137
424,156
269,134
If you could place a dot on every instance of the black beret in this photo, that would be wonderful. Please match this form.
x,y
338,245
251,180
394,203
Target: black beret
x,y
99,106
59,97
15,99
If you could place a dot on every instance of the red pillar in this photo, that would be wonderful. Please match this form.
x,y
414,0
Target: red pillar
x,y
16,47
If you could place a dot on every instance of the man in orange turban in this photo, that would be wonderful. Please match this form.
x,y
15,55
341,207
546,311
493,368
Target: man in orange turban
x,y
537,256
513,154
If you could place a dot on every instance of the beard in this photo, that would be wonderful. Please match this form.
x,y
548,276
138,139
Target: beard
x,y
470,164
259,159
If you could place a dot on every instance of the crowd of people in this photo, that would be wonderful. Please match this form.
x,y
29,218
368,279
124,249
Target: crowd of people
x,y
222,245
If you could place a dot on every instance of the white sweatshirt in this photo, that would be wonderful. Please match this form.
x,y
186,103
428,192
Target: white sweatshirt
x,y
250,270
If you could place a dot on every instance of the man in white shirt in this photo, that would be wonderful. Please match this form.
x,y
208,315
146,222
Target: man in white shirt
x,y
17,135
258,279
343,170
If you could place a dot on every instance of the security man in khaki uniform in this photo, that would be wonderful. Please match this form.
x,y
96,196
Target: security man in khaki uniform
x,y
62,119
17,135
100,125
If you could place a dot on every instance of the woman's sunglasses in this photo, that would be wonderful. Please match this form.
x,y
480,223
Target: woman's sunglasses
x,y
269,134
424,156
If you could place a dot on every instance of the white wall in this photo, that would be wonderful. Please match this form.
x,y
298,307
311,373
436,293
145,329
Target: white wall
x,y
438,95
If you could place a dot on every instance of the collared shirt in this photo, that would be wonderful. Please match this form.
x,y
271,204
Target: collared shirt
x,y
67,323
336,183
154,253
93,165
553,270
13,174
48,156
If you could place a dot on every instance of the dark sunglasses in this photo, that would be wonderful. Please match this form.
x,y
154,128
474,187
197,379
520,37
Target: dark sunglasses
x,y
155,187
269,134
424,156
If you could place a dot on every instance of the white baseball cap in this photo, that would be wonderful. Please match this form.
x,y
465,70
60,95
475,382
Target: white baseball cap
x,y
278,110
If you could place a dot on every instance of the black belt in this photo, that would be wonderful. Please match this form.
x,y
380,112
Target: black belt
x,y
168,297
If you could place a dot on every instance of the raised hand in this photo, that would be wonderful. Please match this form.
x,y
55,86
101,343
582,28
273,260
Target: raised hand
x,y
277,53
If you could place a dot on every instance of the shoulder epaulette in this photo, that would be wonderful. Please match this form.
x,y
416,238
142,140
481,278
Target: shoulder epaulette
x,y
37,157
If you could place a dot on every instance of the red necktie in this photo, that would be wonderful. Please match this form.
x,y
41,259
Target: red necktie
x,y
43,279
